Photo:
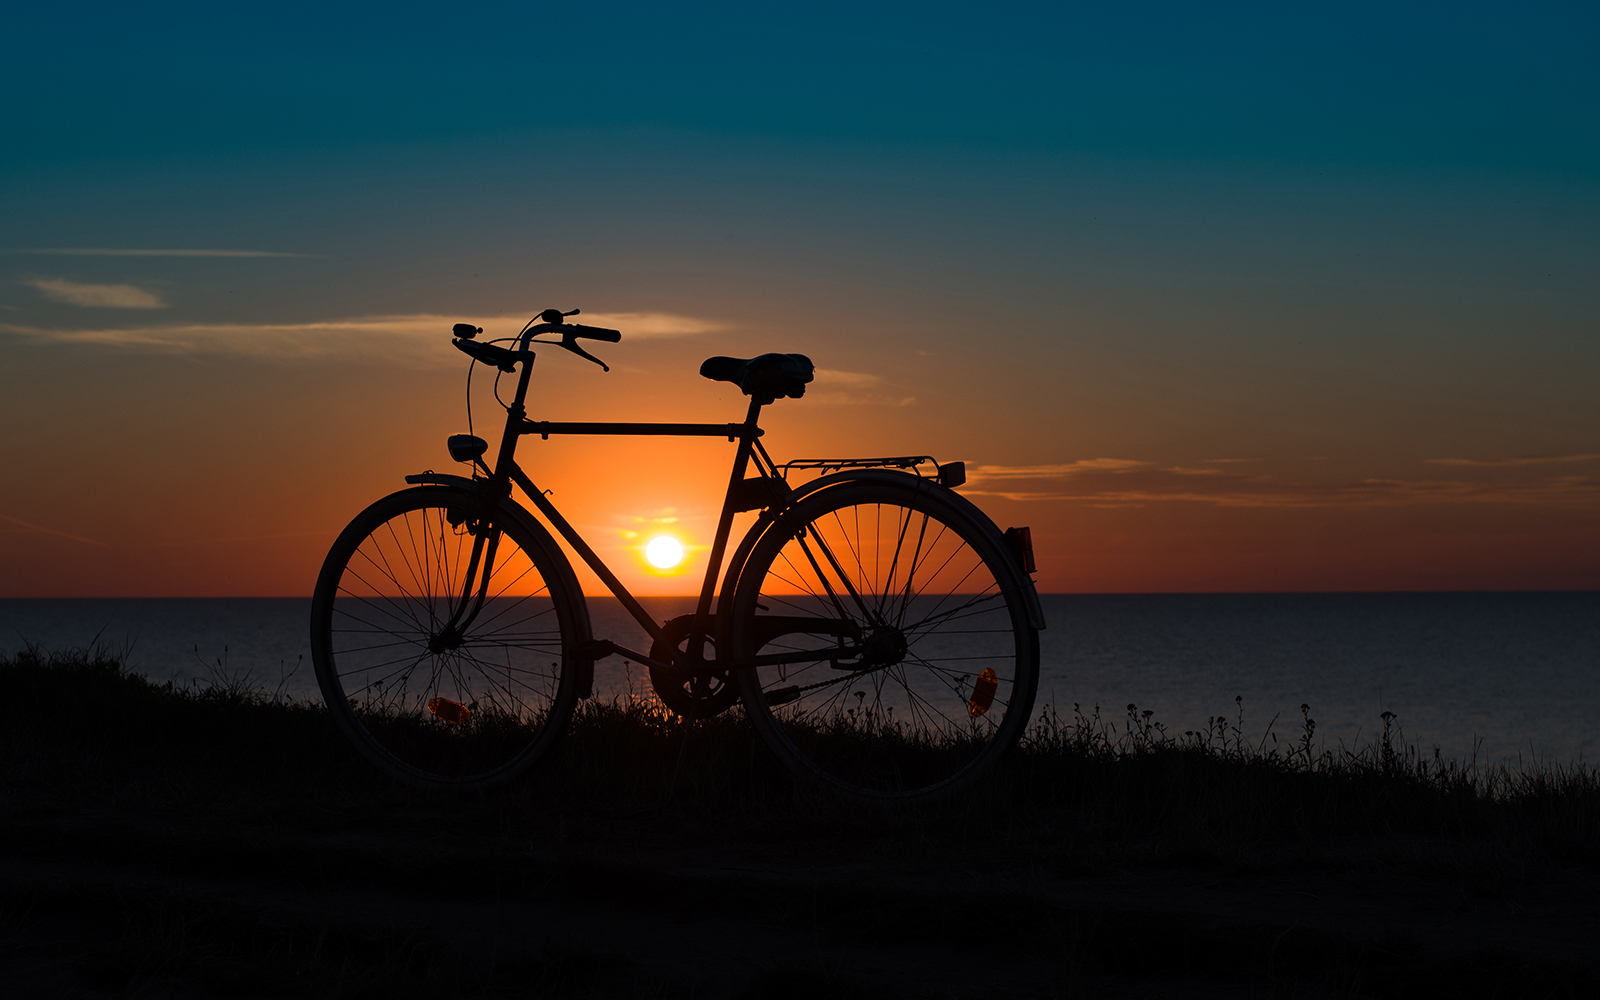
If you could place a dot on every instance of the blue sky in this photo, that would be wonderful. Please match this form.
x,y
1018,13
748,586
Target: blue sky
x,y
1420,87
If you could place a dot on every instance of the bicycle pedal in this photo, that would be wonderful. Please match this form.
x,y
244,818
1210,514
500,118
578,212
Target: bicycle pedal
x,y
782,696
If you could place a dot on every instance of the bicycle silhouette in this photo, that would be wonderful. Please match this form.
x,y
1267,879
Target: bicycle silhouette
x,y
880,631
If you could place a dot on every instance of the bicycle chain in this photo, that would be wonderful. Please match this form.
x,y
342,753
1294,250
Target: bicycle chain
x,y
847,677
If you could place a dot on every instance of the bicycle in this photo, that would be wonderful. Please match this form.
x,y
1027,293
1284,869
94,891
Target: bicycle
x,y
880,631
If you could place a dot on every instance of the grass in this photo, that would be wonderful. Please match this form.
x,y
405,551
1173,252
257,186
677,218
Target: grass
x,y
1215,785
196,838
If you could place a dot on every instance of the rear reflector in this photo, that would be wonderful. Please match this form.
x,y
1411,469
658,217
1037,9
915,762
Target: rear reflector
x,y
1020,541
983,693
449,711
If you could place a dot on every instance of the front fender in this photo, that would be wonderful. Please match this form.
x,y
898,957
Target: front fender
x,y
431,478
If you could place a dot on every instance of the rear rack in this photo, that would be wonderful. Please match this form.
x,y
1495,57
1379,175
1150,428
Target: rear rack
x,y
950,474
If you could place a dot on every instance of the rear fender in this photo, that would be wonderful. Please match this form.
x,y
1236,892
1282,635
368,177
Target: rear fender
x,y
901,479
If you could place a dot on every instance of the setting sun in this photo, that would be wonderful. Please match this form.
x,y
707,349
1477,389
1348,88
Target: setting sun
x,y
664,552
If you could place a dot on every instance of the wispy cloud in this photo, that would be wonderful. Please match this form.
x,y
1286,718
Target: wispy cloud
x,y
118,252
1124,483
1365,494
834,387
27,526
978,473
97,296
650,324
410,339
849,380
1501,462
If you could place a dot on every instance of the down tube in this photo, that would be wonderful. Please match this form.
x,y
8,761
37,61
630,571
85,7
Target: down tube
x,y
586,553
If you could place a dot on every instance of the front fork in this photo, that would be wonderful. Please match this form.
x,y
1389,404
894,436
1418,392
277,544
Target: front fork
x,y
485,535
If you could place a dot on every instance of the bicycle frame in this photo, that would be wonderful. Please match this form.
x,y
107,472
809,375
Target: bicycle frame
x,y
747,434
451,638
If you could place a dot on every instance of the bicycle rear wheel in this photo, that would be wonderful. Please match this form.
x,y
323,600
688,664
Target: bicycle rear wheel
x,y
441,638
913,660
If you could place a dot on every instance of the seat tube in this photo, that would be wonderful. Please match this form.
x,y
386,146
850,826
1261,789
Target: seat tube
x,y
741,461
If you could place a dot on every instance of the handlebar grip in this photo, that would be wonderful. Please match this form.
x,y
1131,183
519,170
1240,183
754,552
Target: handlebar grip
x,y
595,333
490,354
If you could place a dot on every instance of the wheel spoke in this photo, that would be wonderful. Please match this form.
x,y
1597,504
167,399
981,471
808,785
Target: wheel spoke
x,y
468,705
935,602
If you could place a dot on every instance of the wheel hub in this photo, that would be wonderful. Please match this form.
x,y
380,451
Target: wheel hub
x,y
441,642
884,646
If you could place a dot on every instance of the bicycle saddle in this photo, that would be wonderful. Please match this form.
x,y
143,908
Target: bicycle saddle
x,y
765,378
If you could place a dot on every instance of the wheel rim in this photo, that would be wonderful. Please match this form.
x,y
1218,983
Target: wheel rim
x,y
438,684
942,678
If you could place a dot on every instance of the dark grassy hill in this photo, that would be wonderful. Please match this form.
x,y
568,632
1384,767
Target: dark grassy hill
x,y
213,841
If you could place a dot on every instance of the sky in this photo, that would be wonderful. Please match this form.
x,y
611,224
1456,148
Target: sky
x,y
1251,297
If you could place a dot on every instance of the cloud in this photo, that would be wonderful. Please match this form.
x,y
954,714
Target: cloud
x,y
1500,462
27,526
407,340
976,473
841,388
848,380
111,252
98,296
1124,483
653,324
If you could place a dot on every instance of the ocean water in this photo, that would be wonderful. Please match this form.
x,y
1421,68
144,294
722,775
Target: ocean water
x,y
1502,677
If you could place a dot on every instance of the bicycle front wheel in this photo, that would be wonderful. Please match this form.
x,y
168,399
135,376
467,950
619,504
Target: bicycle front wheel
x,y
910,663
440,637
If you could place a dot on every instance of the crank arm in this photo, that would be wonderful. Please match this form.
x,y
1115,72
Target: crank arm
x,y
599,649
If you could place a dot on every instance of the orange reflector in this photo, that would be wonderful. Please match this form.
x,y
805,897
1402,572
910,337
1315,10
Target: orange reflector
x,y
983,692
451,711
1020,541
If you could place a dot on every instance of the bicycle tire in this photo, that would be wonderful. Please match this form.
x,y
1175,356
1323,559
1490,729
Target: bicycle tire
x,y
432,697
933,597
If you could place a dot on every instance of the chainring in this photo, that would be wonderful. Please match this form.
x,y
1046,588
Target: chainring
x,y
708,696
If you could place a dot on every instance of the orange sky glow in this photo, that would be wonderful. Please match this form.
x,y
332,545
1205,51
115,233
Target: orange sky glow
x,y
234,479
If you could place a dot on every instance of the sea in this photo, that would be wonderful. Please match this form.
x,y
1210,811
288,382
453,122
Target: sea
x,y
1479,677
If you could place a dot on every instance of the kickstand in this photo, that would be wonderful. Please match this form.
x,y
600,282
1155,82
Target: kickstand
x,y
683,748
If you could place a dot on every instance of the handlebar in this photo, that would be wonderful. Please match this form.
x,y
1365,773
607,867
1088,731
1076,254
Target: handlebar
x,y
492,355
574,331
595,333
554,322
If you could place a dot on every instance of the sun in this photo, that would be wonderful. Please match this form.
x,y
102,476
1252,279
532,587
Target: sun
x,y
663,552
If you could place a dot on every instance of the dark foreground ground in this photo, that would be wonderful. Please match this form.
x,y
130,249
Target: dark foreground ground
x,y
185,844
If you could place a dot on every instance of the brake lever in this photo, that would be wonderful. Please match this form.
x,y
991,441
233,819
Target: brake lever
x,y
567,342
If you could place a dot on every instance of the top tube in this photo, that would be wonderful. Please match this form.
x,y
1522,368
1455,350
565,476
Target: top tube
x,y
545,428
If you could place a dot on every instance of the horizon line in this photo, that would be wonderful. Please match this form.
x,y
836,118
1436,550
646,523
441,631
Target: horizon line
x,y
1050,593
